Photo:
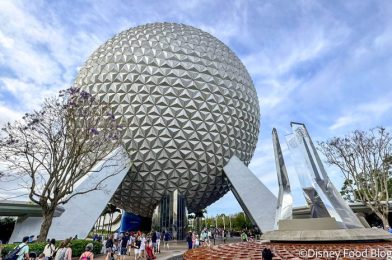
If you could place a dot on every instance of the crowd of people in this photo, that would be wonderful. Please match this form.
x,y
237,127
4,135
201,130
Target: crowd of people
x,y
50,252
205,238
208,236
117,246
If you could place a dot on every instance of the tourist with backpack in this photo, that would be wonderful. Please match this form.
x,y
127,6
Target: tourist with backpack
x,y
50,249
20,252
64,252
109,248
88,253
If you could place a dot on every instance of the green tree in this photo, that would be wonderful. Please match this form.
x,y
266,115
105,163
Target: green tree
x,y
199,215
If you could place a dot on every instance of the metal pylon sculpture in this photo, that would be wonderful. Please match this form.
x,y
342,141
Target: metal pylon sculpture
x,y
311,169
284,207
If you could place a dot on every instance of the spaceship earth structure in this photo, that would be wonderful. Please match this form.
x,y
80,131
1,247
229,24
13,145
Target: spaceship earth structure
x,y
188,105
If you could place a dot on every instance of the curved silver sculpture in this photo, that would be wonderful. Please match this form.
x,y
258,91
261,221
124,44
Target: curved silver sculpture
x,y
188,105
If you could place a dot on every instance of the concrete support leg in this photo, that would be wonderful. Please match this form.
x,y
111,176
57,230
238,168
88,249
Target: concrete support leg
x,y
258,202
82,211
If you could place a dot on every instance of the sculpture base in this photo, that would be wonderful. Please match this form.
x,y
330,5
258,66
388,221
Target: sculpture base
x,y
335,235
309,224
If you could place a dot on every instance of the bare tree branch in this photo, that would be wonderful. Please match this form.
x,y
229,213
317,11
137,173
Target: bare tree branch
x,y
364,158
55,147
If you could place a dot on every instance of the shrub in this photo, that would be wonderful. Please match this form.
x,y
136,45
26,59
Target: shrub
x,y
77,246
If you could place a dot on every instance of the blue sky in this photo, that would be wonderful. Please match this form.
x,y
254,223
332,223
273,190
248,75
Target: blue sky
x,y
325,63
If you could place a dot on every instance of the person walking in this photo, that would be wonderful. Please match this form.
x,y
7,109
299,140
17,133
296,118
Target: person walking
x,y
142,245
131,243
23,249
137,246
68,249
197,242
88,253
64,252
193,239
154,241
124,244
166,239
50,249
149,250
109,248
116,249
114,255
244,236
158,234
189,240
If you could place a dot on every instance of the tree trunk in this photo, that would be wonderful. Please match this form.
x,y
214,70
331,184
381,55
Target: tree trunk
x,y
46,223
383,218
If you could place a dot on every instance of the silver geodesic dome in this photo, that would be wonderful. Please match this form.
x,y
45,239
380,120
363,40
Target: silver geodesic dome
x,y
188,104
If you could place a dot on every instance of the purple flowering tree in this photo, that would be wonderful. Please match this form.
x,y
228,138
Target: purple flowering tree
x,y
51,149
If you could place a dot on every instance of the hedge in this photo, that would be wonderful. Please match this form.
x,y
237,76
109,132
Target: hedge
x,y
77,246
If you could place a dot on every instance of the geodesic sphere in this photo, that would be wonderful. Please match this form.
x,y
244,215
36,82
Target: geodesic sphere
x,y
188,105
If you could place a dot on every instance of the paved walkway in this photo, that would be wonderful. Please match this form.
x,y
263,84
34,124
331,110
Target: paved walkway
x,y
175,249
175,252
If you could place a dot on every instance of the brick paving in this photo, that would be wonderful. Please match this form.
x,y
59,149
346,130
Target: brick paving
x,y
176,249
252,250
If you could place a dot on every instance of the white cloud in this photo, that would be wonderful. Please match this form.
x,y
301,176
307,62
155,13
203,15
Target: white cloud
x,y
368,113
28,93
41,55
6,41
344,121
8,114
308,60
